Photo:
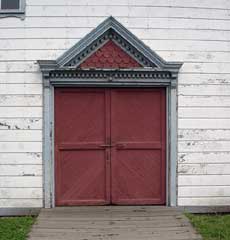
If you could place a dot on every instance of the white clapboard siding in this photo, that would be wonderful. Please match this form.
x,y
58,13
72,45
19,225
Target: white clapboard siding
x,y
203,134
204,101
202,201
20,123
22,77
204,157
20,158
204,78
204,123
25,193
34,55
91,22
203,168
142,33
123,11
19,66
203,146
195,56
20,170
204,191
20,100
21,89
21,203
209,113
20,112
203,180
20,181
215,4
20,147
195,90
20,135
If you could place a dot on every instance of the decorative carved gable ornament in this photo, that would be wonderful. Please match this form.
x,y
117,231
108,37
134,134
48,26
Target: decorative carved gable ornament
x,y
136,62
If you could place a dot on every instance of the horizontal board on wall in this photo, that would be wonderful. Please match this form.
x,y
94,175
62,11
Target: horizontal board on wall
x,y
21,203
20,146
203,78
144,34
20,181
204,101
91,22
175,3
203,146
29,100
205,112
204,201
20,112
21,89
204,123
128,10
10,193
20,123
195,56
21,158
192,89
170,45
203,169
206,67
204,191
204,157
20,170
202,134
20,135
22,77
182,56
19,66
203,180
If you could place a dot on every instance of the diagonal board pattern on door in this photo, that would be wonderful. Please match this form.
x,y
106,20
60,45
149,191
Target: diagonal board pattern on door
x,y
110,146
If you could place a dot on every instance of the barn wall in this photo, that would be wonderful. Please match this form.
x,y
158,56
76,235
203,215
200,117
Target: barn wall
x,y
193,31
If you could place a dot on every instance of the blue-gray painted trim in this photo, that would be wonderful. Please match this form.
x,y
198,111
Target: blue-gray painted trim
x,y
10,212
172,147
20,13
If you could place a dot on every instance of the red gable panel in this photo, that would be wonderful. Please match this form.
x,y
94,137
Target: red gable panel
x,y
110,56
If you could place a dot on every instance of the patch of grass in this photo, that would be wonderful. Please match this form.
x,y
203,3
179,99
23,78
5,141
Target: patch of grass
x,y
211,226
15,228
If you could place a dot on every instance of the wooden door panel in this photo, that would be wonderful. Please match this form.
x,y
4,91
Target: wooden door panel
x,y
137,177
81,128
138,152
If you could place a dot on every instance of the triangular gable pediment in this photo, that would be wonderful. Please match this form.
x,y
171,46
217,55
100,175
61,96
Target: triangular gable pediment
x,y
112,33
110,56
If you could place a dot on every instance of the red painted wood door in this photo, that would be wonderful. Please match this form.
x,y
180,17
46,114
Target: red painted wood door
x,y
110,146
138,140
82,172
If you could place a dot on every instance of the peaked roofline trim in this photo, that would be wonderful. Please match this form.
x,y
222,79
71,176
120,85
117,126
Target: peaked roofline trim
x,y
83,48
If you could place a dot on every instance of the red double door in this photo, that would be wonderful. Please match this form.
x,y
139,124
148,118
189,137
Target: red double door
x,y
109,146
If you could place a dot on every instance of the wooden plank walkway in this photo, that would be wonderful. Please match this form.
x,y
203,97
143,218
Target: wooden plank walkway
x,y
112,223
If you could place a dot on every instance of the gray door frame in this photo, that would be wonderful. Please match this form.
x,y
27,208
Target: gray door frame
x,y
48,134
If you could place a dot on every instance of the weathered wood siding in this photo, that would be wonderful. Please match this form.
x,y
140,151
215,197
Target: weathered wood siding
x,y
193,31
